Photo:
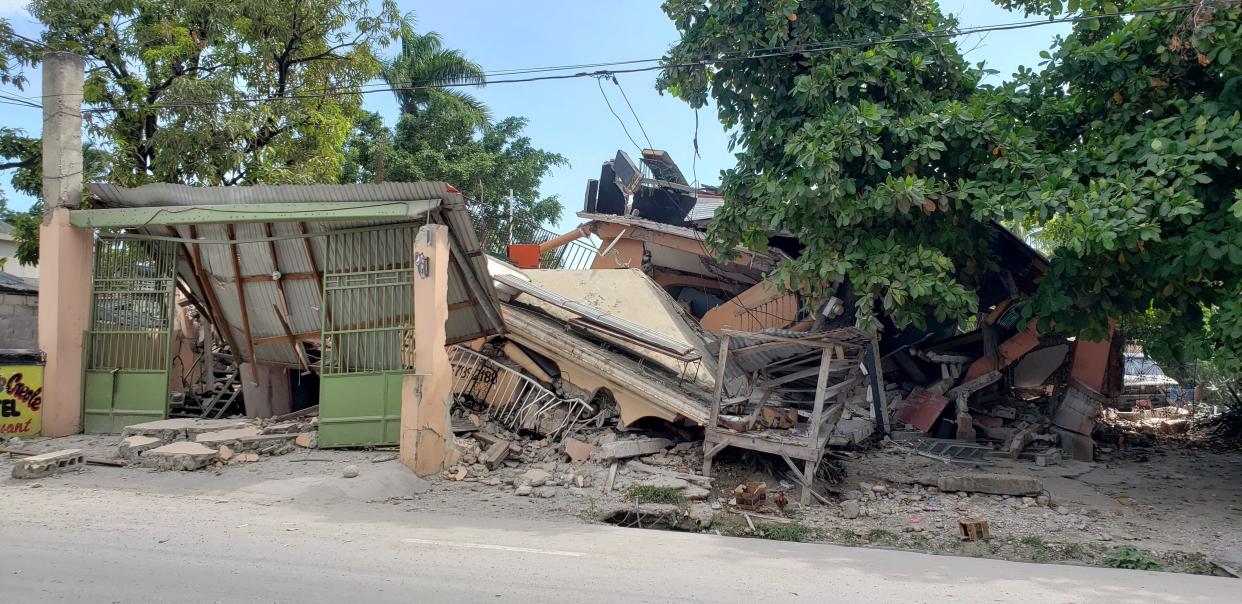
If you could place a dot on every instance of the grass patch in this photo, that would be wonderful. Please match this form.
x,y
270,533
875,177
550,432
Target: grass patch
x,y
883,537
845,537
1074,550
651,494
1132,558
1032,541
728,525
787,532
918,541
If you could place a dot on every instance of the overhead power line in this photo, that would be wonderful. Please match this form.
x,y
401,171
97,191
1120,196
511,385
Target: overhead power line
x,y
740,55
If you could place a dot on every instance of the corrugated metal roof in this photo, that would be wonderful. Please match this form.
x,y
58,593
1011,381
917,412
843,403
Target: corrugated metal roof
x,y
15,284
467,269
760,357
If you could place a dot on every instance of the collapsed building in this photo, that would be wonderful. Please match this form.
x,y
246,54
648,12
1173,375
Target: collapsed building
x,y
631,308
271,300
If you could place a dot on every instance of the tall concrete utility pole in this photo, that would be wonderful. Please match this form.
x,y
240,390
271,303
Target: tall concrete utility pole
x,y
64,250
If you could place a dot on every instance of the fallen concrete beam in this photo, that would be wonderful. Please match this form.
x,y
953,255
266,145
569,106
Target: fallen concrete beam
x,y
621,449
996,484
182,455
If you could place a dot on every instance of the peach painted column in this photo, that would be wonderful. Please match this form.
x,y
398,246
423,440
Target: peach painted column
x,y
425,395
64,251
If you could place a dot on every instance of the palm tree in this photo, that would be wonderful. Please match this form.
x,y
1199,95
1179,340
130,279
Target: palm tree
x,y
425,62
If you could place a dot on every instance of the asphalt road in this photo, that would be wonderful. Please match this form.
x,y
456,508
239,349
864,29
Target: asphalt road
x,y
84,545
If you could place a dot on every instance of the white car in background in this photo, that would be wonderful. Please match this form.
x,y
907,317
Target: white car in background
x,y
1144,380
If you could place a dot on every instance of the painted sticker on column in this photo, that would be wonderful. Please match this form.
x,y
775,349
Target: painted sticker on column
x,y
21,402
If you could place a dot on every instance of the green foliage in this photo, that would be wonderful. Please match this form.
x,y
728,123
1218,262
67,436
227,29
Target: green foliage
x,y
442,143
883,537
1135,134
865,154
15,54
792,531
887,160
424,61
1132,558
170,83
653,494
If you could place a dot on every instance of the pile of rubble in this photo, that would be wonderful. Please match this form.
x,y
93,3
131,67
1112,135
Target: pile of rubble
x,y
191,443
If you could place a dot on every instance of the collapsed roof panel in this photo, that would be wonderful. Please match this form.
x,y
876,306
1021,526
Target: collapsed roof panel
x,y
280,269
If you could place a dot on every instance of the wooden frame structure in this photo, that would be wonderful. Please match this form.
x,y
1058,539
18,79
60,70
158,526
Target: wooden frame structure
x,y
813,373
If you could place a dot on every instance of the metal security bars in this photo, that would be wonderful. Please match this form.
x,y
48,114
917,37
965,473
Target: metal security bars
x,y
132,304
129,346
368,335
515,400
368,310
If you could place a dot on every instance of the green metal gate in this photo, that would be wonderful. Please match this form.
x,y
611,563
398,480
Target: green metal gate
x,y
129,346
368,337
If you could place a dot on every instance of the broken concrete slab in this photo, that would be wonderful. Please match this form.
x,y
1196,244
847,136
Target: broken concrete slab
x,y
47,464
132,447
496,454
664,482
579,451
169,430
307,440
183,455
621,449
995,484
219,438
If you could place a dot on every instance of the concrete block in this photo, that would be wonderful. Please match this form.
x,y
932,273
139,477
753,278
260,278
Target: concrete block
x,y
169,430
996,484
307,440
220,438
182,455
621,449
47,464
132,447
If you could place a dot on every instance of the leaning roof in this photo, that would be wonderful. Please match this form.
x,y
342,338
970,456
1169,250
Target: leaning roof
x,y
474,311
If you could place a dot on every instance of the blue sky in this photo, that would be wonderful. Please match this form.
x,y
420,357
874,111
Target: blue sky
x,y
569,116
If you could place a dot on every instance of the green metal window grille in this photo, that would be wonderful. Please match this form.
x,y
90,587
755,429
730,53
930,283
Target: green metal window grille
x,y
368,310
132,304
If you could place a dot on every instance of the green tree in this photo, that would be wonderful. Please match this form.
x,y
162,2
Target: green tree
x,y
863,153
15,54
886,157
24,156
222,92
424,61
1133,168
442,143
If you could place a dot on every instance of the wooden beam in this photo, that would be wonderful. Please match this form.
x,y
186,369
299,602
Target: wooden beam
x,y
271,252
205,282
235,256
305,336
294,343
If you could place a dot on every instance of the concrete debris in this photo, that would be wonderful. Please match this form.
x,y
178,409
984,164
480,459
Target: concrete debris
x,y
47,464
132,447
169,430
622,449
182,455
350,471
307,440
536,477
579,451
996,484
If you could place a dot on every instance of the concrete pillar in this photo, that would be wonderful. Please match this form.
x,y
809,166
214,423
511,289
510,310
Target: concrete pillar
x,y
266,390
425,396
64,251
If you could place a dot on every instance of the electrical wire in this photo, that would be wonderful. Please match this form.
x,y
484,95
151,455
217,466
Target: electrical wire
x,y
619,120
633,113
